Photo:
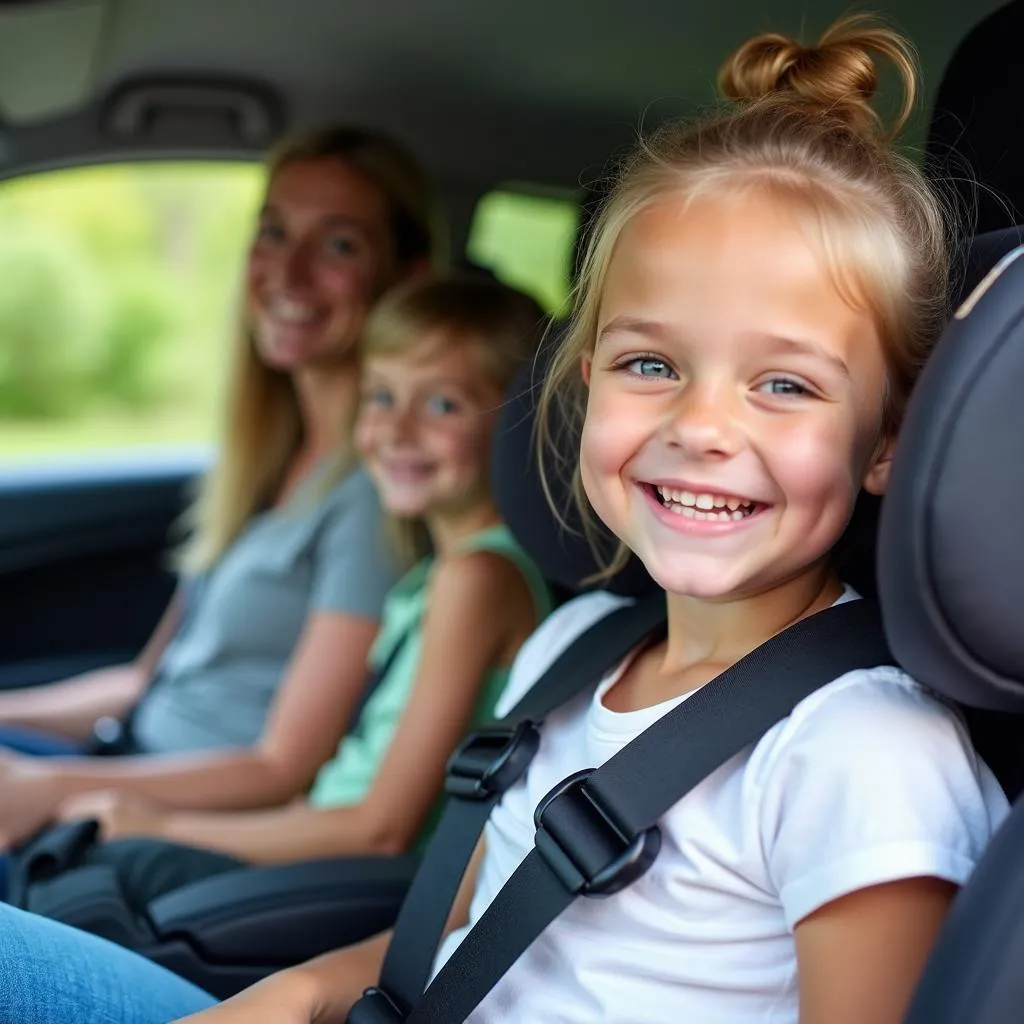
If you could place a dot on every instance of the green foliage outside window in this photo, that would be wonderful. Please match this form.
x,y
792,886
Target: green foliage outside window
x,y
118,289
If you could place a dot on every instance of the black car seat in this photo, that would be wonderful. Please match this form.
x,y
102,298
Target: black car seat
x,y
952,588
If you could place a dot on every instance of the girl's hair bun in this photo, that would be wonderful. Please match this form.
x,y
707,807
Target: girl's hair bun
x,y
838,75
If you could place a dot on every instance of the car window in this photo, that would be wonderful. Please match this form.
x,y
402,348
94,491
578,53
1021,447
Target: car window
x,y
527,240
118,293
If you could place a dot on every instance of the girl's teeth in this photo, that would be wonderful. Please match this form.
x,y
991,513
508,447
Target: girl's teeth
x,y
705,506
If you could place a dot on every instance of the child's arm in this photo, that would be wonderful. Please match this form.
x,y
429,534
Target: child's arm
x,y
476,603
859,957
323,990
315,700
274,836
875,809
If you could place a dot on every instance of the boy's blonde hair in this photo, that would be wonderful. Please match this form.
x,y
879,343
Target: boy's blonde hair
x,y
800,128
503,327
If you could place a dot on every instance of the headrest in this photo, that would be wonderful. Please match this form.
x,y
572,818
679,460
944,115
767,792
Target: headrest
x,y
951,551
564,555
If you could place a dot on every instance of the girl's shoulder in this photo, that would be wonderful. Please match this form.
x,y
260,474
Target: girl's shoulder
x,y
551,638
872,705
874,732
871,779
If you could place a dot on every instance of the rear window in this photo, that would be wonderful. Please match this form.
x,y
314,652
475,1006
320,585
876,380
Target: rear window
x,y
118,294
527,241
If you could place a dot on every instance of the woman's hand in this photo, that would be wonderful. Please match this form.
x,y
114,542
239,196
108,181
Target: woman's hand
x,y
119,814
28,795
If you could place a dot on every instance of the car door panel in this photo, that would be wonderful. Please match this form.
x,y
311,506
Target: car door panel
x,y
85,567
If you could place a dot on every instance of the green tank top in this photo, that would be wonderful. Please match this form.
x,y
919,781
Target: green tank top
x,y
346,779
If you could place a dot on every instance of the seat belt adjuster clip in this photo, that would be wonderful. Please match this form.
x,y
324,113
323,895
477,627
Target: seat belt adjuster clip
x,y
588,852
375,1007
491,760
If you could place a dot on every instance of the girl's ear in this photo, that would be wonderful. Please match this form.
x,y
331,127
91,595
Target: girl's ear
x,y
586,363
876,479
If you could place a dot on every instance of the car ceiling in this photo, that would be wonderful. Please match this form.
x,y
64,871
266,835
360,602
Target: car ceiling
x,y
537,91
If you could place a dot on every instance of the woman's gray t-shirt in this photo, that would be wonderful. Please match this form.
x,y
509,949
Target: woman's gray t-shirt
x,y
243,618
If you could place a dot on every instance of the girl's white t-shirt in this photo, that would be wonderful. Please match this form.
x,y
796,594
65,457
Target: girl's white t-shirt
x,y
871,779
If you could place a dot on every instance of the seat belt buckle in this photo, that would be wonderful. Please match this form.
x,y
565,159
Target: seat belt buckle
x,y
587,851
491,760
375,1007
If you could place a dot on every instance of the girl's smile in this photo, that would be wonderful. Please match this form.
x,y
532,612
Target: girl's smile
x,y
692,509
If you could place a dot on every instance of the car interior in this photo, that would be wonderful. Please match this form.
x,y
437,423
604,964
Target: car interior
x,y
531,99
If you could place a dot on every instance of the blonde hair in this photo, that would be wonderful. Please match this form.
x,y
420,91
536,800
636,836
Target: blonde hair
x,y
800,127
262,426
501,325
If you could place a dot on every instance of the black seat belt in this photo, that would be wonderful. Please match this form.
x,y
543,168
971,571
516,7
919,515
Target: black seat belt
x,y
597,831
479,771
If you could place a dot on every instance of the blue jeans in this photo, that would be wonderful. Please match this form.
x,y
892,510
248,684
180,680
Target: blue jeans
x,y
38,743
53,974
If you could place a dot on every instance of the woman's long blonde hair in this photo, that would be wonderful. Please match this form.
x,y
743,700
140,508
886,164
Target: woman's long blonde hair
x,y
800,128
262,425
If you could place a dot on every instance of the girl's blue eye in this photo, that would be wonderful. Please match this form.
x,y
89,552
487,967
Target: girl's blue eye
x,y
270,233
438,405
784,386
650,366
378,397
341,245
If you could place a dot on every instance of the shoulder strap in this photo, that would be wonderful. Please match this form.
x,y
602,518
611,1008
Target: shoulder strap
x,y
482,768
597,831
589,657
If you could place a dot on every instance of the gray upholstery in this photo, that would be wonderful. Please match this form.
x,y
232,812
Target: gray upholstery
x,y
951,555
